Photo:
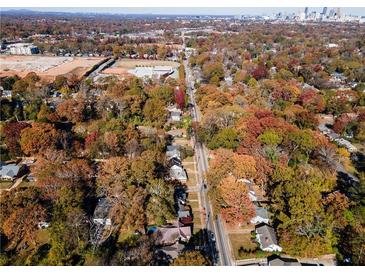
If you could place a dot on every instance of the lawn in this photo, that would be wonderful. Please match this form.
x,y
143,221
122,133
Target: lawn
x,y
193,196
26,183
194,205
192,181
4,184
242,240
43,236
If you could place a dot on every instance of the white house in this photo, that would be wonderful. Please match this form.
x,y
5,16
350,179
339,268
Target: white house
x,y
178,173
261,216
266,237
172,152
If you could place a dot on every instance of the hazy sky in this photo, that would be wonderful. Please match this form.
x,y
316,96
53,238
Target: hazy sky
x,y
200,11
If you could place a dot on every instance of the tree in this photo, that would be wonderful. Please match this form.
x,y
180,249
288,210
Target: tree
x,y
236,207
259,72
180,97
73,110
60,81
160,205
12,134
191,258
225,138
21,210
154,112
38,137
244,166
270,137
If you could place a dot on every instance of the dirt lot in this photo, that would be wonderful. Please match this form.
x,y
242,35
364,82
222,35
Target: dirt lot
x,y
122,66
47,67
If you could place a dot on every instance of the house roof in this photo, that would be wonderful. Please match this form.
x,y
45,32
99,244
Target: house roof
x,y
9,170
266,235
177,172
183,213
283,262
170,235
102,209
261,212
172,148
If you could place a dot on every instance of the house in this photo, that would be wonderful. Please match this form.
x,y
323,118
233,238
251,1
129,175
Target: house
x,y
175,113
11,171
278,261
5,93
179,132
169,235
252,196
175,116
174,161
266,237
172,152
185,221
43,225
101,212
261,216
172,251
183,213
178,173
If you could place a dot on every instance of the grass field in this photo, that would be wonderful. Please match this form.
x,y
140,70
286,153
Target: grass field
x,y
242,240
5,184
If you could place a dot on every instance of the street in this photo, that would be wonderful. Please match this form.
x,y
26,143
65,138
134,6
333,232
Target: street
x,y
216,236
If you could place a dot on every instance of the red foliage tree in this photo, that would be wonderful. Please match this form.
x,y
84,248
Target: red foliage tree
x,y
180,97
341,122
259,72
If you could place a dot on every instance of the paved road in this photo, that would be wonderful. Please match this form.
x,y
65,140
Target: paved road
x,y
100,68
213,226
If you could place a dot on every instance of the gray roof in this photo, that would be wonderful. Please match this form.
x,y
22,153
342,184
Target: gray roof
x,y
9,170
261,212
102,209
267,235
178,173
284,262
183,213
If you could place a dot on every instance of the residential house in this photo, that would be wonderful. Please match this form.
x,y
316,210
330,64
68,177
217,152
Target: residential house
x,y
175,113
266,237
261,216
169,235
172,251
178,173
11,171
101,213
172,152
279,261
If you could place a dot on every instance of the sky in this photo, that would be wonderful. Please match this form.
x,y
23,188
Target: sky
x,y
193,11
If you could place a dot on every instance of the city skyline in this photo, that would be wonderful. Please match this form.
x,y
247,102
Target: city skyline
x,y
360,11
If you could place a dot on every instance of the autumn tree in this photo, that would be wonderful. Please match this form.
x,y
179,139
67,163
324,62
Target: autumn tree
x,y
12,134
73,110
191,258
38,137
236,207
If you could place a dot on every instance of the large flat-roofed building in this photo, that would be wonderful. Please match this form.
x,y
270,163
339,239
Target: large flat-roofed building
x,y
22,49
152,72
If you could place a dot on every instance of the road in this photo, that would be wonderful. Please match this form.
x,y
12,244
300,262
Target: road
x,y
217,237
100,68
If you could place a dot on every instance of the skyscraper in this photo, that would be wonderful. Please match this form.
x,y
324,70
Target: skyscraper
x,y
306,12
324,12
